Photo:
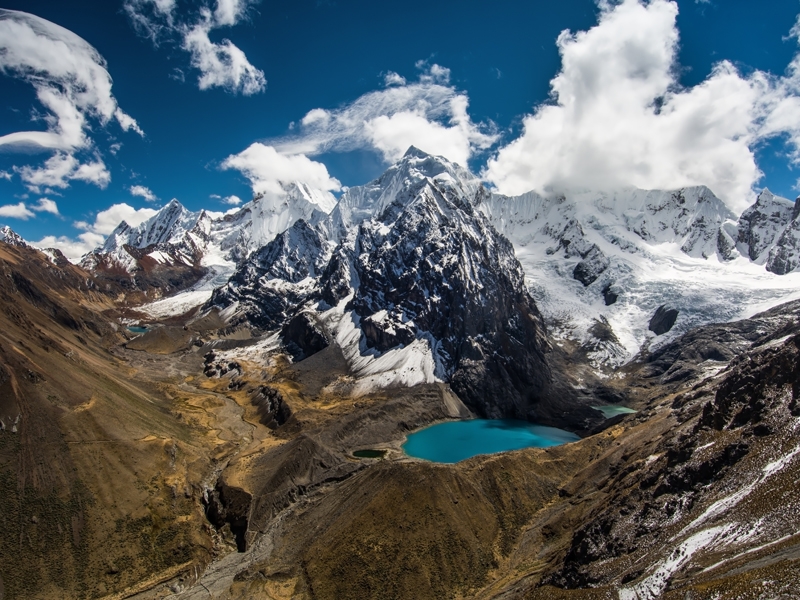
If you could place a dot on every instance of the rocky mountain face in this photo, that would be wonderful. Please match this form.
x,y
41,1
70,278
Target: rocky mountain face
x,y
768,233
406,272
600,266
708,504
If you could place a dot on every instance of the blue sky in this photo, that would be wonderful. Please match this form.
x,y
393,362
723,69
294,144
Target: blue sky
x,y
464,78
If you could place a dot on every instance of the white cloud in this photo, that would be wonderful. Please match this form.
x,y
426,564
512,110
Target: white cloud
x,y
429,114
220,64
71,82
619,117
61,168
433,73
143,192
71,248
69,76
392,78
46,205
267,169
316,116
16,211
228,12
5,175
107,220
232,200
151,18
94,234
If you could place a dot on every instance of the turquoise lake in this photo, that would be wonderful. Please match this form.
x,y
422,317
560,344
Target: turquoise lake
x,y
455,441
136,329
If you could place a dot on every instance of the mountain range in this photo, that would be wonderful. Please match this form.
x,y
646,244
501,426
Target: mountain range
x,y
595,262
215,405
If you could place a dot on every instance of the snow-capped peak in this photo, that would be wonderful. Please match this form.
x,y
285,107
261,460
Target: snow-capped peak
x,y
9,236
169,224
760,226
361,202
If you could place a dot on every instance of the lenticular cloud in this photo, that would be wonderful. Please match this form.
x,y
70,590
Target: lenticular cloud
x,y
620,118
74,87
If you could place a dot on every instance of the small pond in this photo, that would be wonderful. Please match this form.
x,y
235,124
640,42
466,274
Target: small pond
x,y
137,329
613,411
369,453
455,441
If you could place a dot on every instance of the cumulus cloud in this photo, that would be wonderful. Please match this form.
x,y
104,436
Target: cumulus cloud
x,y
232,200
107,220
220,64
73,249
619,116
269,170
429,113
143,192
25,212
72,84
16,211
94,234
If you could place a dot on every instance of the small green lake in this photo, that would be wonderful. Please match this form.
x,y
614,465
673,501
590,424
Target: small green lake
x,y
137,329
455,441
613,411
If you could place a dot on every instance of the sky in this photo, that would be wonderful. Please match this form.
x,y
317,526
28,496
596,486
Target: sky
x,y
110,109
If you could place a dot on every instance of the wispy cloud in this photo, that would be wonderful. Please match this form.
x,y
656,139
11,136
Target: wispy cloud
x,y
220,64
392,78
46,205
72,84
61,168
143,192
620,118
